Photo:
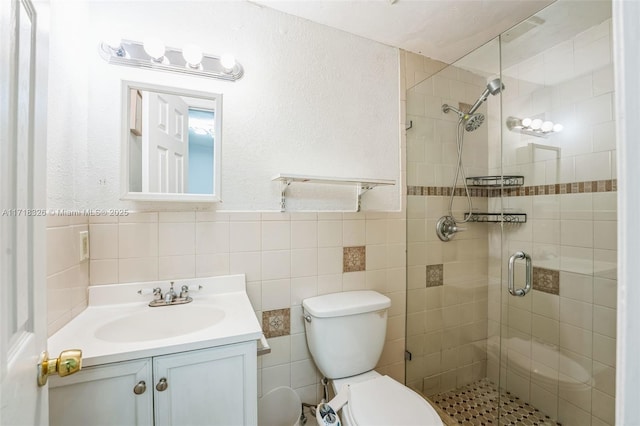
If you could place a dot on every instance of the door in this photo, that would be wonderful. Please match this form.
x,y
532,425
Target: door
x,y
127,388
558,340
165,143
214,386
23,99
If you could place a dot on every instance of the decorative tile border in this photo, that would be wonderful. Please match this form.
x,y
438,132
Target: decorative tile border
x,y
276,323
609,185
354,259
435,275
546,280
444,191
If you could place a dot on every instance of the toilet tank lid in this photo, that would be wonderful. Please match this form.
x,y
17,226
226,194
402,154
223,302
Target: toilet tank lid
x,y
345,303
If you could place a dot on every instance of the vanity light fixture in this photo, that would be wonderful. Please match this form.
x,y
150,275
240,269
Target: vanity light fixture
x,y
153,54
534,127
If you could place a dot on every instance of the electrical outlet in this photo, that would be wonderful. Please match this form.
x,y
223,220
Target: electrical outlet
x,y
84,245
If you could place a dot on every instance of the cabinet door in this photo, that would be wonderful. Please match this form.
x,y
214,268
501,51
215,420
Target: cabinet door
x,y
215,386
103,395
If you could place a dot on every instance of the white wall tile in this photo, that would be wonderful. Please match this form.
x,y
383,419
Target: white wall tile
x,y
103,241
211,265
302,288
276,264
244,236
329,260
304,262
329,233
138,239
304,234
176,239
248,263
212,237
138,269
276,235
104,271
276,294
174,267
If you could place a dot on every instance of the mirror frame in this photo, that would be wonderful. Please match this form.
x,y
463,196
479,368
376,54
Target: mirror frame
x,y
216,98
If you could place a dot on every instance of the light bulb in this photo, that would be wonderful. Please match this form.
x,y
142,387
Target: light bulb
x,y
192,54
228,62
547,126
154,47
526,122
558,127
536,124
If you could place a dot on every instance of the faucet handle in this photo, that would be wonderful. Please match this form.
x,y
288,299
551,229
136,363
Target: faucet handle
x,y
157,292
184,291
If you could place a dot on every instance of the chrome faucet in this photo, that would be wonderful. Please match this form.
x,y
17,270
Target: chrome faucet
x,y
170,295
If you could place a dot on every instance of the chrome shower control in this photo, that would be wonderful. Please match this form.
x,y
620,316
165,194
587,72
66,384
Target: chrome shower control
x,y
446,227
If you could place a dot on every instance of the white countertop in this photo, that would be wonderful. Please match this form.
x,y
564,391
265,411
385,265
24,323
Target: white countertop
x,y
110,303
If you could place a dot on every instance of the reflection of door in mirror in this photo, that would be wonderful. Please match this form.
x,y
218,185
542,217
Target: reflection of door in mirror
x,y
165,153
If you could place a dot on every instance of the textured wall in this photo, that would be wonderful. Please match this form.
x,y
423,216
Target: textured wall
x,y
313,100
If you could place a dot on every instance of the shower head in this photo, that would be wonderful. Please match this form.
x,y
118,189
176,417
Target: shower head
x,y
473,121
493,88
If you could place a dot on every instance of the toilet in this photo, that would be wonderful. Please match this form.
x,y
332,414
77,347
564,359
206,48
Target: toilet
x,y
345,334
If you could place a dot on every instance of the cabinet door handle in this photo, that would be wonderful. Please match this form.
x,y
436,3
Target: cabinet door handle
x,y
140,387
162,385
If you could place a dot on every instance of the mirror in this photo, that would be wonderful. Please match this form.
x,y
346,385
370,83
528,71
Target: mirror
x,y
171,143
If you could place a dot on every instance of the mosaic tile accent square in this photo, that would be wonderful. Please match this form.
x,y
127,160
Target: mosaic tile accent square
x,y
435,275
276,322
547,280
354,259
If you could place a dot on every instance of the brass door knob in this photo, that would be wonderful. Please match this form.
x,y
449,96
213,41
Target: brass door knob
x,y
140,387
69,362
162,385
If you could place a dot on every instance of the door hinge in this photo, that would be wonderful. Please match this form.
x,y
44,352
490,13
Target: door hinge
x,y
407,356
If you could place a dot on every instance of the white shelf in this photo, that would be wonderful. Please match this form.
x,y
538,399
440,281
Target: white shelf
x,y
362,185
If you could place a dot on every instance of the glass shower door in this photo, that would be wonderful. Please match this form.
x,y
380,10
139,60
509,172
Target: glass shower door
x,y
557,340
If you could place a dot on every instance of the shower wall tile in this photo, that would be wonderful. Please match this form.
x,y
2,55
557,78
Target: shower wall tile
x,y
434,275
546,280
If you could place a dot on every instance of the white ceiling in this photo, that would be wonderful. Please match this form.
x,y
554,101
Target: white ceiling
x,y
444,30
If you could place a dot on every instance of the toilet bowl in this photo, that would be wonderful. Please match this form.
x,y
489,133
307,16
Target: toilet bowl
x,y
346,334
377,400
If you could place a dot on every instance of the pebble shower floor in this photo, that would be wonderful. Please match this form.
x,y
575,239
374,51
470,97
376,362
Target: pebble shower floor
x,y
477,404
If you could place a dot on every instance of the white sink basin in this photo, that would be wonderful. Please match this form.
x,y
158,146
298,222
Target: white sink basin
x,y
159,323
118,324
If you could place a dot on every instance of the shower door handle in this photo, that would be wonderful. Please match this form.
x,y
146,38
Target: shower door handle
x,y
528,274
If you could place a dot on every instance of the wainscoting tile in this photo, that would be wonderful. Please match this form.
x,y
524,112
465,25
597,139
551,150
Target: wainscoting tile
x,y
276,322
354,259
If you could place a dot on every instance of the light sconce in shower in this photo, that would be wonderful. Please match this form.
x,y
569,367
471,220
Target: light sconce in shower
x,y
534,127
153,54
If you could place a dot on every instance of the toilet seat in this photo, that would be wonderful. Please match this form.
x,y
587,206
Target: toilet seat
x,y
383,401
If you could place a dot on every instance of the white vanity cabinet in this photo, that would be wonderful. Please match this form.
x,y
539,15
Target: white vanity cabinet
x,y
213,386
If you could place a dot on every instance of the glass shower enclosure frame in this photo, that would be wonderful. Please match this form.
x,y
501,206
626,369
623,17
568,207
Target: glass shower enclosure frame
x,y
519,306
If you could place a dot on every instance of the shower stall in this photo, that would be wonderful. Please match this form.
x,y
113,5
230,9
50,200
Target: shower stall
x,y
511,318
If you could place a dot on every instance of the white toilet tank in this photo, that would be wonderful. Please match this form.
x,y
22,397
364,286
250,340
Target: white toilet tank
x,y
346,331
